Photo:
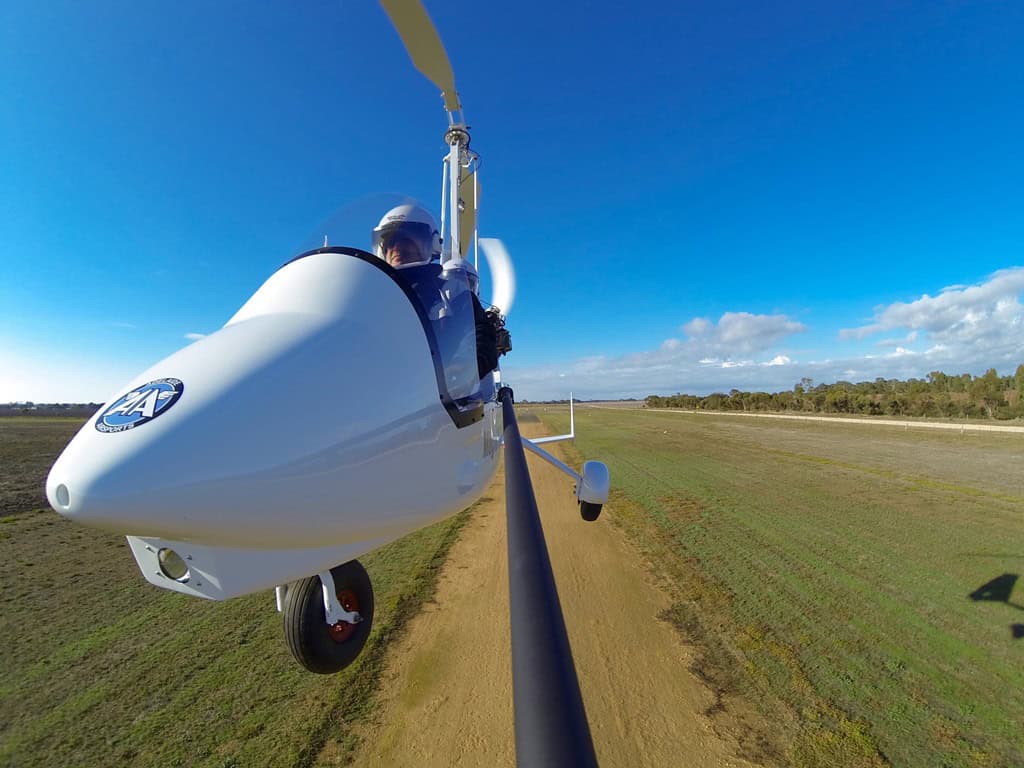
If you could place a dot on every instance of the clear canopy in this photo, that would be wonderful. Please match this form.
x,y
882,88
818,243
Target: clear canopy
x,y
443,292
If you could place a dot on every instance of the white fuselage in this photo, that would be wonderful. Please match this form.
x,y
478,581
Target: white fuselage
x,y
311,428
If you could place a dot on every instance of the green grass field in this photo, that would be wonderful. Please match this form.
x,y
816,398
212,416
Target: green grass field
x,y
826,572
98,668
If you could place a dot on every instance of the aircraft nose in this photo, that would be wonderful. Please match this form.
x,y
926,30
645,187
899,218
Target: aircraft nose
x,y
71,498
59,497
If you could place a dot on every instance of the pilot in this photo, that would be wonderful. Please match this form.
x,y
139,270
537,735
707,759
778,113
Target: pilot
x,y
407,236
408,240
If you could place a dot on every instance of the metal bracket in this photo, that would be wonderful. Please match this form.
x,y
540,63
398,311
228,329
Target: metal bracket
x,y
533,448
280,595
333,612
560,438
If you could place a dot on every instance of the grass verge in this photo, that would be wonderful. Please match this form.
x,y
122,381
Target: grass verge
x,y
827,575
99,668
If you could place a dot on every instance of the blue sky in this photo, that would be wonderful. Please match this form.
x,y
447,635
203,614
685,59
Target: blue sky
x,y
697,196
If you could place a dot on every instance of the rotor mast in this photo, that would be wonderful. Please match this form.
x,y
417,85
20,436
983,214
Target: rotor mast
x,y
458,177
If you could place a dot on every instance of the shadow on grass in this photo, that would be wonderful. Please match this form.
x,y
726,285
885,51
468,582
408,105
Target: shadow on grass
x,y
998,590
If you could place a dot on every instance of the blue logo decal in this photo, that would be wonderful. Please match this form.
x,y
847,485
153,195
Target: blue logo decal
x,y
140,405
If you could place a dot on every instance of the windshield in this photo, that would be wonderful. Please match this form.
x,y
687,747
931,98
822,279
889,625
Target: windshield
x,y
356,223
402,234
360,224
447,303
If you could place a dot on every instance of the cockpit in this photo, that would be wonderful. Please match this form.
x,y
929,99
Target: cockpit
x,y
443,299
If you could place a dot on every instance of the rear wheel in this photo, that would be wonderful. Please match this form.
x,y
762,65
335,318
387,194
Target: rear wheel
x,y
316,645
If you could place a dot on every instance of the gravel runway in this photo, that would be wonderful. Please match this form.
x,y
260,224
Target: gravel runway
x,y
446,697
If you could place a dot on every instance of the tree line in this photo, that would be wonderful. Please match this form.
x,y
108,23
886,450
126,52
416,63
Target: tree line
x,y
989,396
77,410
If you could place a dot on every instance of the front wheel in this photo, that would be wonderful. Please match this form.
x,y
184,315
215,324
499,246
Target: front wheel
x,y
316,645
589,512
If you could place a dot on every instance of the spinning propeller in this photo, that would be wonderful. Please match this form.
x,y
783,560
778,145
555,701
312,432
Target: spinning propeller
x,y
503,276
460,187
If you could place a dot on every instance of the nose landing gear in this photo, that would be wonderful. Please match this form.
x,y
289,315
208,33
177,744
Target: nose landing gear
x,y
327,618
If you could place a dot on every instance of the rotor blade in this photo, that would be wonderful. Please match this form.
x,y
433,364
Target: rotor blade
x,y
424,46
503,276
467,219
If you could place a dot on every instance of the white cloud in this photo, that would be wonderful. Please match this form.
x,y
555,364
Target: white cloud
x,y
195,336
901,352
697,327
989,314
910,338
737,333
733,348
962,329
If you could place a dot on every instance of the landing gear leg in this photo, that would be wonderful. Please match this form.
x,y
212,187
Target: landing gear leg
x,y
326,624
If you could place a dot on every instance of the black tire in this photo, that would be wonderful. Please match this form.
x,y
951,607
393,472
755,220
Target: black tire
x,y
589,512
315,645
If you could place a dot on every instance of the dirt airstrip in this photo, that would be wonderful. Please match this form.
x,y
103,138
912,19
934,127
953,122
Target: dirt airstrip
x,y
446,697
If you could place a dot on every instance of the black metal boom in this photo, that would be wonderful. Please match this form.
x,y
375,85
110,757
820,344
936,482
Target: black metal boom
x,y
550,721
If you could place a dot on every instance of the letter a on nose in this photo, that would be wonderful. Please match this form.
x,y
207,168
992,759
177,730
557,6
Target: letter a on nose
x,y
145,404
130,401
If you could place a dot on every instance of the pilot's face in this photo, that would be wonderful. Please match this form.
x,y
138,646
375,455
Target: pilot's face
x,y
401,251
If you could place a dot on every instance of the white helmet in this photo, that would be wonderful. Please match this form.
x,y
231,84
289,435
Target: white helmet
x,y
413,223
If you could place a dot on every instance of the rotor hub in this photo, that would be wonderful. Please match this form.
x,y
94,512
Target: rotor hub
x,y
458,135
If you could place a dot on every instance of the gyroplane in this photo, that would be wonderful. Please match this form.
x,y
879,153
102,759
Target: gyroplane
x,y
340,408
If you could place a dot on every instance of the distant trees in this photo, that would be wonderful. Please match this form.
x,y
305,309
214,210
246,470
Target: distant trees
x,y
938,395
29,408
